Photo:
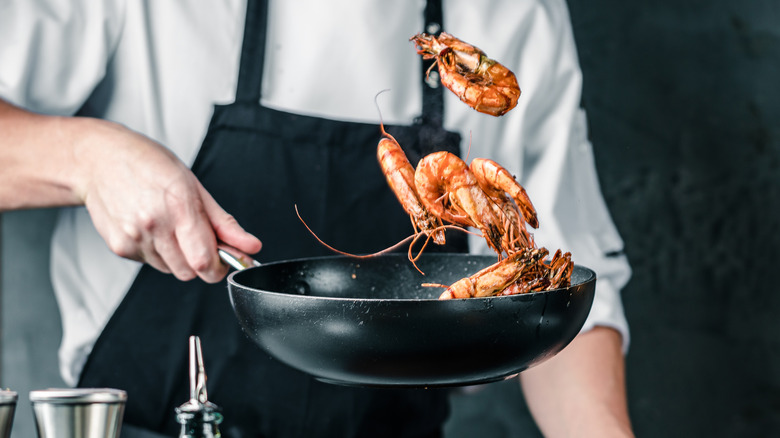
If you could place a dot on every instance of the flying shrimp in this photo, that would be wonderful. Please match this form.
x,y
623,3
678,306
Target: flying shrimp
x,y
482,83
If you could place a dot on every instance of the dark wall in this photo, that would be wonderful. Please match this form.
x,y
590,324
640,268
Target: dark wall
x,y
684,108
683,100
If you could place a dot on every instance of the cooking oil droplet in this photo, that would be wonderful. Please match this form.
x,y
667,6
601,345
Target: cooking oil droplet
x,y
300,288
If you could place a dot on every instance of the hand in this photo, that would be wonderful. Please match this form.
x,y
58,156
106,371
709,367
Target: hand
x,y
148,206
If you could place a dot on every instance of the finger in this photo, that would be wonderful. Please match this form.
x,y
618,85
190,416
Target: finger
x,y
124,240
199,249
227,228
153,259
167,248
198,243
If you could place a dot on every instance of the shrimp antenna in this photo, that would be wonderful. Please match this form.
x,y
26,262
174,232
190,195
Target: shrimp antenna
x,y
357,256
413,238
381,122
468,151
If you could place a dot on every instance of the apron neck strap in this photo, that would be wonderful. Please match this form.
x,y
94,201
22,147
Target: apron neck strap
x,y
432,91
250,72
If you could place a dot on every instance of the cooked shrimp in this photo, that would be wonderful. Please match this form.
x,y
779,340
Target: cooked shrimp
x,y
497,277
544,276
480,82
400,176
561,268
503,189
449,190
498,183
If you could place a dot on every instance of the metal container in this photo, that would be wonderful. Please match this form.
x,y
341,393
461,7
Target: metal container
x,y
7,409
78,412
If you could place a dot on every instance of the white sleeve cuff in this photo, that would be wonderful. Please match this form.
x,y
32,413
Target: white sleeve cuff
x,y
607,311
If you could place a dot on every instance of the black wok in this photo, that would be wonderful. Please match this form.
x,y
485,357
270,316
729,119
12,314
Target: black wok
x,y
370,322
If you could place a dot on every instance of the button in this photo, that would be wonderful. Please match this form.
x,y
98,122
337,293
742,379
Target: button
x,y
433,28
432,80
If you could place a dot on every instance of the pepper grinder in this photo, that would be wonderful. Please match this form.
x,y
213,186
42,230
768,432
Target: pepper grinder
x,y
199,418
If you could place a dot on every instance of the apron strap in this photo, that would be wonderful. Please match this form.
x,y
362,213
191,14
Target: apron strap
x,y
250,73
433,92
250,77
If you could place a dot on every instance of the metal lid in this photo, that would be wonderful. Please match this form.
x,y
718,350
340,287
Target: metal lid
x,y
78,395
7,397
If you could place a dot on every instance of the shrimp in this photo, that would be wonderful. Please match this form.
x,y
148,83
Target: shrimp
x,y
497,277
561,268
497,182
503,189
449,190
544,276
400,176
480,82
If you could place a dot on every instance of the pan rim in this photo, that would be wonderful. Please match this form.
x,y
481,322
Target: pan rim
x,y
590,273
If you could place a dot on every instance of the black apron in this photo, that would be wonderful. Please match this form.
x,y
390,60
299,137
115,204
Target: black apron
x,y
258,163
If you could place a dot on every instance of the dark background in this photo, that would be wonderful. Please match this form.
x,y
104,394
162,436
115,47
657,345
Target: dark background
x,y
684,110
684,106
683,100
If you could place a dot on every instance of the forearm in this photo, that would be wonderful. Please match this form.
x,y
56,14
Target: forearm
x,y
37,159
581,391
145,203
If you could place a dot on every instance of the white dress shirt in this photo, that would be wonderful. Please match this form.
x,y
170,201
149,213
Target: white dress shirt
x,y
158,67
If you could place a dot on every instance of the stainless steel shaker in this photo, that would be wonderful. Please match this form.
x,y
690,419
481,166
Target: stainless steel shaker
x,y
78,412
7,409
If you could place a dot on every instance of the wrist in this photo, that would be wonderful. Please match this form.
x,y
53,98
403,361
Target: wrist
x,y
81,142
86,140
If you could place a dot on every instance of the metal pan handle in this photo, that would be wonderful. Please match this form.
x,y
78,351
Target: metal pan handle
x,y
235,258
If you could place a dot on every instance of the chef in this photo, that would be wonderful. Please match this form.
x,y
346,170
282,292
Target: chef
x,y
162,128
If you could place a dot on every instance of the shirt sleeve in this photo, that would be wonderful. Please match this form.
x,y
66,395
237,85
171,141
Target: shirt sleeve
x,y
560,174
54,53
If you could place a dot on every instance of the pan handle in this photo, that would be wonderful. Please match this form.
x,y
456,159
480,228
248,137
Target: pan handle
x,y
235,258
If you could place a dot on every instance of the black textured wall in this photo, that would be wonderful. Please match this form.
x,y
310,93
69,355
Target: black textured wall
x,y
684,107
683,99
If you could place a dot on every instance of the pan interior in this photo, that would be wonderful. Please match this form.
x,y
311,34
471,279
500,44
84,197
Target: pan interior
x,y
387,277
